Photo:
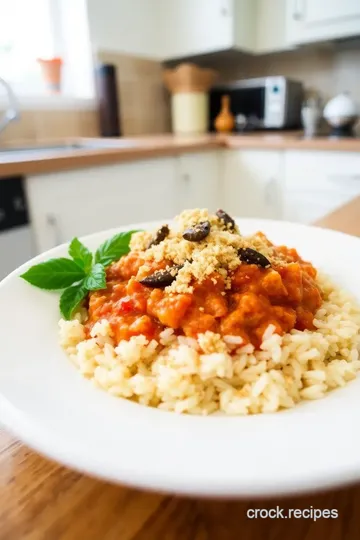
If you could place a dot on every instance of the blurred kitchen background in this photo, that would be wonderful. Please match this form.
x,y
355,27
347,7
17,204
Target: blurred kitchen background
x,y
118,111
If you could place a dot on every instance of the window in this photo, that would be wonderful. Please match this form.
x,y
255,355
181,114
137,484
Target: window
x,y
30,29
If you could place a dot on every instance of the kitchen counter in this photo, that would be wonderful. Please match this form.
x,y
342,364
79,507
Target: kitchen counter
x,y
130,149
345,219
42,500
291,141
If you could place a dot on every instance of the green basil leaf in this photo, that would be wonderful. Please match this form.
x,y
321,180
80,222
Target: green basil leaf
x,y
114,248
96,279
71,298
80,254
54,274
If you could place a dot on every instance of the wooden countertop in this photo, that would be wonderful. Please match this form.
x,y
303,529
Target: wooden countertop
x,y
40,500
291,141
130,149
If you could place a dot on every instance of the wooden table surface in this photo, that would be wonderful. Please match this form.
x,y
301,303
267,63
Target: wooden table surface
x,y
39,500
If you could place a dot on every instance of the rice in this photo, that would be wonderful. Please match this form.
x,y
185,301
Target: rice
x,y
214,374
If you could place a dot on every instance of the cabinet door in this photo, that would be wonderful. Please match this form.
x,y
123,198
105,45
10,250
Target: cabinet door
x,y
75,203
316,183
197,181
16,247
270,26
193,27
252,183
318,20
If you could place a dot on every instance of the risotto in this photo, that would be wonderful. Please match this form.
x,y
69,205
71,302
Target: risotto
x,y
198,318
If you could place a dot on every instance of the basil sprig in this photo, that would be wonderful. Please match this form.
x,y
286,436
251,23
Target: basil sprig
x,y
79,274
113,249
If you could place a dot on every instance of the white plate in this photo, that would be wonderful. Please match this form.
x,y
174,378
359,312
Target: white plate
x,y
52,408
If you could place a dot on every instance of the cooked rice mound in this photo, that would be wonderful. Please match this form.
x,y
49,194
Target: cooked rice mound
x,y
214,373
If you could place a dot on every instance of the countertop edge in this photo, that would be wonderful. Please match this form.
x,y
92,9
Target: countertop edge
x,y
95,158
157,146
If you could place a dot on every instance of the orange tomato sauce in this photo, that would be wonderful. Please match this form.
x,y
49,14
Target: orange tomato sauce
x,y
286,296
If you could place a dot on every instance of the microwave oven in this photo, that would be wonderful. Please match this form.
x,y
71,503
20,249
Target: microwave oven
x,y
263,103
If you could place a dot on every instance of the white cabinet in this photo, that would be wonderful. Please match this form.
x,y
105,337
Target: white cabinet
x,y
120,26
301,186
194,27
321,20
252,183
270,26
16,247
197,183
317,183
75,203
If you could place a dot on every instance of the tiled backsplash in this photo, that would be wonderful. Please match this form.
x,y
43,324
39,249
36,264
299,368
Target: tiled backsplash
x,y
145,104
143,100
326,71
35,125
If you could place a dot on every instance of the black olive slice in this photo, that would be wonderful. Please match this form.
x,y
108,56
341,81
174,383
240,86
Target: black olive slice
x,y
161,278
198,232
160,235
250,256
229,222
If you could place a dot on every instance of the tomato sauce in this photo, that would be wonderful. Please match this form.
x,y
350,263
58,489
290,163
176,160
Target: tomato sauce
x,y
285,295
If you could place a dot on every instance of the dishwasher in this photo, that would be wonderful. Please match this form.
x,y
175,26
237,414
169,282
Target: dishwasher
x,y
16,243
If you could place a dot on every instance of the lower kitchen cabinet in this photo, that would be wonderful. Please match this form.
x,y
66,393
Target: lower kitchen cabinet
x,y
198,179
301,186
317,183
74,203
252,183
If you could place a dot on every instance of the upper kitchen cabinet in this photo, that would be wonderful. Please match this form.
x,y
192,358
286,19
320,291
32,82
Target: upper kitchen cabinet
x,y
195,27
320,20
270,21
124,26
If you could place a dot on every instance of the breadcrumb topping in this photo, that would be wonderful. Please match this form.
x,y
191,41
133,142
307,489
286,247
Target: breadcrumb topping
x,y
218,252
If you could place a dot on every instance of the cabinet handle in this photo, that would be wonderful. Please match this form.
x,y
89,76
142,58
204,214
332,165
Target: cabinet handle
x,y
186,177
53,221
19,204
298,10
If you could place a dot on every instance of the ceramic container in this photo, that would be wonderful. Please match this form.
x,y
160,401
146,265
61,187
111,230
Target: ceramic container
x,y
189,86
339,110
51,70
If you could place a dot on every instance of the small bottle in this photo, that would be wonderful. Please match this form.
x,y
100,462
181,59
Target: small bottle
x,y
310,116
108,104
225,121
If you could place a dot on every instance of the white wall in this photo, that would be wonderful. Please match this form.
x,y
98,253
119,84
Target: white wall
x,y
128,26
